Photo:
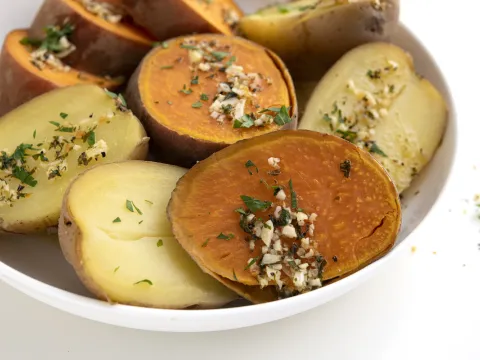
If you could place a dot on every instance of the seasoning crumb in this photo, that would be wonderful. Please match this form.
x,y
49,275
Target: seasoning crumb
x,y
434,253
414,248
335,259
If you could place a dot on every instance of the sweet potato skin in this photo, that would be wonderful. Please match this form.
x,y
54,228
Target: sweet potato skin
x,y
372,224
170,18
19,84
177,149
99,51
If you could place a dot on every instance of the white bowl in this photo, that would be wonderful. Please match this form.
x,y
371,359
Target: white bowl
x,y
36,266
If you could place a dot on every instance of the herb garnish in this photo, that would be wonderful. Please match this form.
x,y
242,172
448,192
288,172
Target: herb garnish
x,y
250,164
159,243
51,42
346,167
204,97
206,242
117,220
166,67
35,133
241,211
245,121
131,206
228,237
149,202
194,80
197,105
348,135
293,194
185,90
188,47
116,269
146,281
376,150
250,264
234,275
255,205
63,115
220,55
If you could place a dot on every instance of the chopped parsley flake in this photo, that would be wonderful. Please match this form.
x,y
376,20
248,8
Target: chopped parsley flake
x,y
293,195
159,243
146,281
197,105
185,90
250,264
131,207
243,212
376,150
206,242
250,164
117,220
204,97
234,275
194,80
116,269
166,67
255,205
228,237
63,115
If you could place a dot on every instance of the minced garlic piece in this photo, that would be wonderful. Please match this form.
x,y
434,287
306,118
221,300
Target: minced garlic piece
x,y
104,10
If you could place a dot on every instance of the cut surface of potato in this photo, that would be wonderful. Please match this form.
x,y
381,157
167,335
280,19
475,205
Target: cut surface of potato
x,y
104,44
199,94
310,35
21,80
373,98
292,201
116,234
51,139
171,18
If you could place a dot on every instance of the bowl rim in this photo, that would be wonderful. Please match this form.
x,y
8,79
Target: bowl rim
x,y
165,320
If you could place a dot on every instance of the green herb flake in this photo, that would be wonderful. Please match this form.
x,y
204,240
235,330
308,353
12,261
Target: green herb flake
x,y
188,47
282,117
220,55
149,202
250,164
34,133
117,220
231,61
90,138
185,90
116,269
246,121
243,212
159,243
24,176
255,205
57,124
348,135
132,207
167,67
205,243
194,80
228,237
283,9
63,115
376,150
140,222
293,195
204,97
234,275
250,264
146,281
197,105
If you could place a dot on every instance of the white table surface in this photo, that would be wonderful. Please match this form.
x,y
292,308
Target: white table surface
x,y
424,305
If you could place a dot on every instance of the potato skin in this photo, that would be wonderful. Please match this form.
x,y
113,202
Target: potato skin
x,y
169,18
173,148
312,45
99,51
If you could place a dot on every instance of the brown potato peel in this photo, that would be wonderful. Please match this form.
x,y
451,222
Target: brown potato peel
x,y
359,216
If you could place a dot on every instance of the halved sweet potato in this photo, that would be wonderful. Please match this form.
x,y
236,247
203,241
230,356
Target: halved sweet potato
x,y
199,94
21,81
310,35
171,18
48,141
116,235
374,98
102,47
289,200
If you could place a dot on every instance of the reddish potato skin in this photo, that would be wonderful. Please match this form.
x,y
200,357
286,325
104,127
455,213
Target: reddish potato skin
x,y
99,51
172,148
174,16
17,84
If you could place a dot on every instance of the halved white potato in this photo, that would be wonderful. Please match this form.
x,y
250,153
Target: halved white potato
x,y
131,257
48,141
374,98
310,35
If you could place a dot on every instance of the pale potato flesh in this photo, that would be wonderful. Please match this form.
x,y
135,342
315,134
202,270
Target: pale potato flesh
x,y
411,113
30,124
114,256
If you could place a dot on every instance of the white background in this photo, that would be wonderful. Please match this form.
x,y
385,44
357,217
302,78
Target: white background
x,y
425,304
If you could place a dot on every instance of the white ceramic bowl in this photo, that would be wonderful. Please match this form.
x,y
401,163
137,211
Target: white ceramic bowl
x,y
36,266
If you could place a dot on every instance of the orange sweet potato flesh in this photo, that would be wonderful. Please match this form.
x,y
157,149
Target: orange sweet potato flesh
x,y
166,19
103,48
359,217
183,134
21,81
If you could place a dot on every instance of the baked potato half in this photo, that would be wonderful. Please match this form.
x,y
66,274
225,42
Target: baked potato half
x,y
51,139
310,35
199,94
24,74
115,233
284,213
102,43
374,98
